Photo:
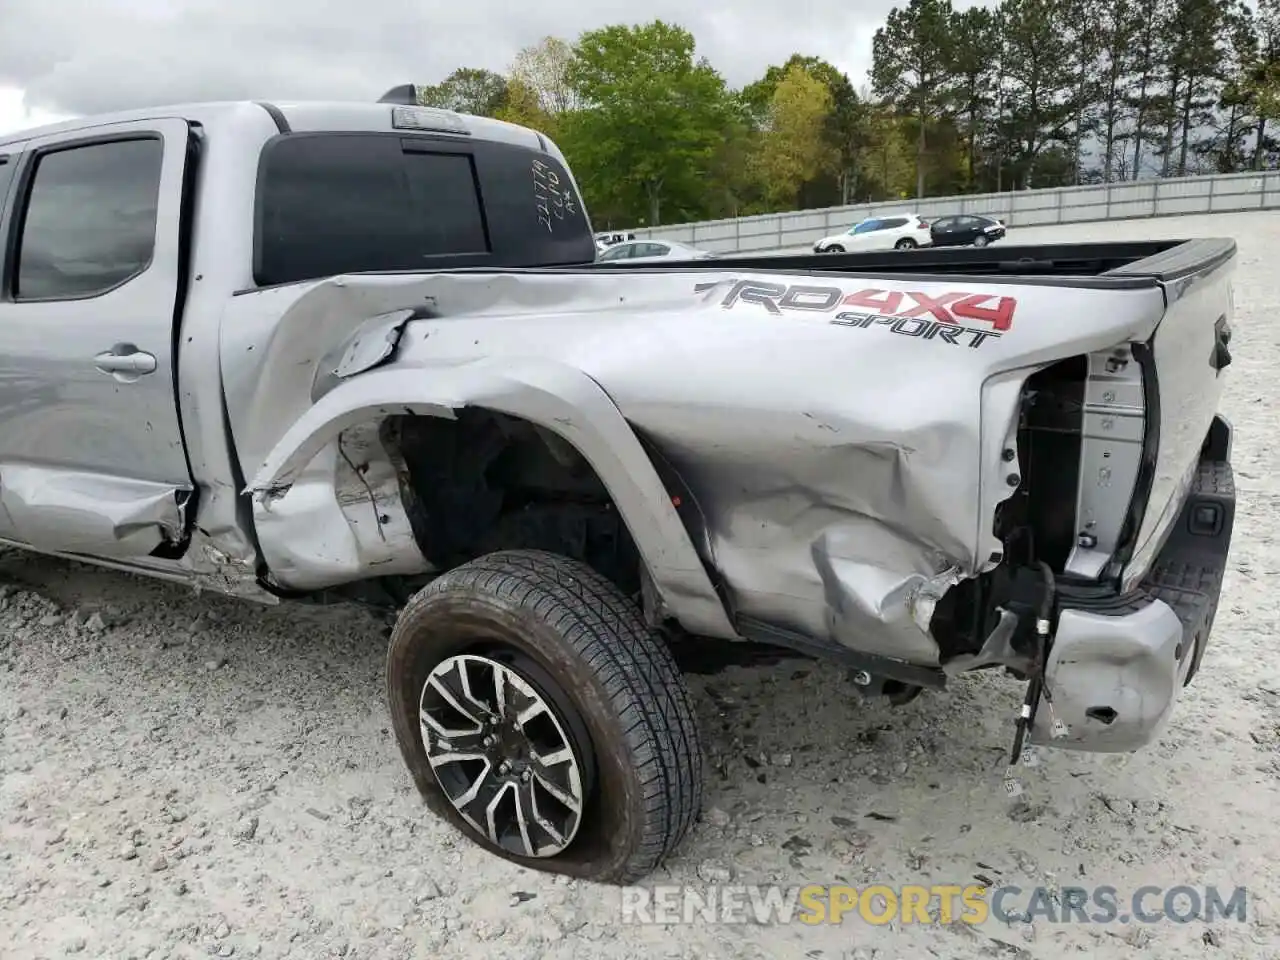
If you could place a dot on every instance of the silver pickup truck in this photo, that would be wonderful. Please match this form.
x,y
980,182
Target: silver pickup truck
x,y
363,351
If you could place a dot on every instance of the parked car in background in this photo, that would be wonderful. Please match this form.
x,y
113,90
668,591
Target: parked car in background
x,y
607,239
965,229
904,231
652,250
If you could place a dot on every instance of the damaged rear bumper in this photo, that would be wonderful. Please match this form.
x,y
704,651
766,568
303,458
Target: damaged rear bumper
x,y
1115,669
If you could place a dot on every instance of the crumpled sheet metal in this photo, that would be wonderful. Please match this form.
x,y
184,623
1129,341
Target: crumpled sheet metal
x,y
846,458
553,395
105,515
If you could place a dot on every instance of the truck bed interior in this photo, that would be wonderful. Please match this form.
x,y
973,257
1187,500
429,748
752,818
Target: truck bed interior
x,y
1117,263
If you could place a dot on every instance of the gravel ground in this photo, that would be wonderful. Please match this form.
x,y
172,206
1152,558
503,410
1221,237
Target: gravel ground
x,y
187,776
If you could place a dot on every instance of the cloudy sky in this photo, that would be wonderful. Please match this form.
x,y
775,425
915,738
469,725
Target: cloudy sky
x,y
72,57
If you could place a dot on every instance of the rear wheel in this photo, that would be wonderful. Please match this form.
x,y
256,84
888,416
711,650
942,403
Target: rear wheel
x,y
980,240
541,717
906,243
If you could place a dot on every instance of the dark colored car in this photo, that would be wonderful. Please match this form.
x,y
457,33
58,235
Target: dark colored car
x,y
964,229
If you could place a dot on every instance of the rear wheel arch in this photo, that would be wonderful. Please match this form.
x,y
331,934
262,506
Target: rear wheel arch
x,y
566,410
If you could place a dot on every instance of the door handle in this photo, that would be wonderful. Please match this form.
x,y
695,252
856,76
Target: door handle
x,y
125,362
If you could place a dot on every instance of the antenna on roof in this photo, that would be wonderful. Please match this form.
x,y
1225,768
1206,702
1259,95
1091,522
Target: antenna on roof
x,y
405,95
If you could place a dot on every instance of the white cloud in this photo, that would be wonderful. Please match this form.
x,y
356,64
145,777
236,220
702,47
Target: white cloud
x,y
16,115
83,57
92,56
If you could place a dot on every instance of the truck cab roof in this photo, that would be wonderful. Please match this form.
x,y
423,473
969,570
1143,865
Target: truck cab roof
x,y
304,116
342,187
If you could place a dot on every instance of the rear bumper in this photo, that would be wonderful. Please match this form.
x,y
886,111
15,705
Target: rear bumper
x,y
1115,670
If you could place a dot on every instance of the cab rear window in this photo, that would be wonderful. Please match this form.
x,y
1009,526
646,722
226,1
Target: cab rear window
x,y
336,203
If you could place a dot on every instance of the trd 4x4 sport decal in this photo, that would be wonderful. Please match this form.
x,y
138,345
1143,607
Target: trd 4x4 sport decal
x,y
905,313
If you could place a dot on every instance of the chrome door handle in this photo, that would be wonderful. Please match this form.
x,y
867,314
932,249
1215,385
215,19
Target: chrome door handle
x,y
127,360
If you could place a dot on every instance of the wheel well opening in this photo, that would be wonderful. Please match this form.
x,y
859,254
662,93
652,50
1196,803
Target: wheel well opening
x,y
490,481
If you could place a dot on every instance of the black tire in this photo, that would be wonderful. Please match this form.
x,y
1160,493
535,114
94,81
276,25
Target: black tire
x,y
590,644
906,243
834,248
980,241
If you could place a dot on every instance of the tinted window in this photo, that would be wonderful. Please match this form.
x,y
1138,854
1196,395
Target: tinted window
x,y
942,223
893,222
336,203
652,250
343,204
90,221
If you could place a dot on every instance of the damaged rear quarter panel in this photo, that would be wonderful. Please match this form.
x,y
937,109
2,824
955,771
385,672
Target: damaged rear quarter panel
x,y
847,466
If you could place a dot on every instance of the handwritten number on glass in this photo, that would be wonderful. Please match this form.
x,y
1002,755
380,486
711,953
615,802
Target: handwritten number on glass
x,y
552,197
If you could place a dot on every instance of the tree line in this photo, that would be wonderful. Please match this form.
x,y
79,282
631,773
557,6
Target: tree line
x,y
1029,93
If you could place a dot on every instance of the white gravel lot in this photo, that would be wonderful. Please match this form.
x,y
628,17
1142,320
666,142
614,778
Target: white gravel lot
x,y
186,776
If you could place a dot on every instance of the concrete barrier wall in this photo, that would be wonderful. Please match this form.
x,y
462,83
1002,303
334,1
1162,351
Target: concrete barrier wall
x,y
1114,201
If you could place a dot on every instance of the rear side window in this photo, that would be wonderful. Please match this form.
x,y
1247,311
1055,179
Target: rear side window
x,y
350,203
90,219
893,222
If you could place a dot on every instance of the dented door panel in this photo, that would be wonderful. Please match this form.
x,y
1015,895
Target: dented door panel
x,y
72,512
92,458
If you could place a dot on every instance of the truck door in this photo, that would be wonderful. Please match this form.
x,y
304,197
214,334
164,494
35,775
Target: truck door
x,y
92,459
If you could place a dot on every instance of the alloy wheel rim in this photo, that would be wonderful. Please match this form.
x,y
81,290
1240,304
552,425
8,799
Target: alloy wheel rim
x,y
502,755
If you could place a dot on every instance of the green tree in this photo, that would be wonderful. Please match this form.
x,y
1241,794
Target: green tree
x,y
1263,75
1086,43
887,164
910,58
653,117
543,68
733,189
1231,121
975,36
1143,98
846,126
1119,25
522,105
1196,55
793,148
467,90
1041,80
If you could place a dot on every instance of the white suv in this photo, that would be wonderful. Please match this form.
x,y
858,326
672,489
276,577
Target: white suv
x,y
899,231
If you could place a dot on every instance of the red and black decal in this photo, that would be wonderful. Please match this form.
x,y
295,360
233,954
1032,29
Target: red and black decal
x,y
904,312
925,329
945,308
